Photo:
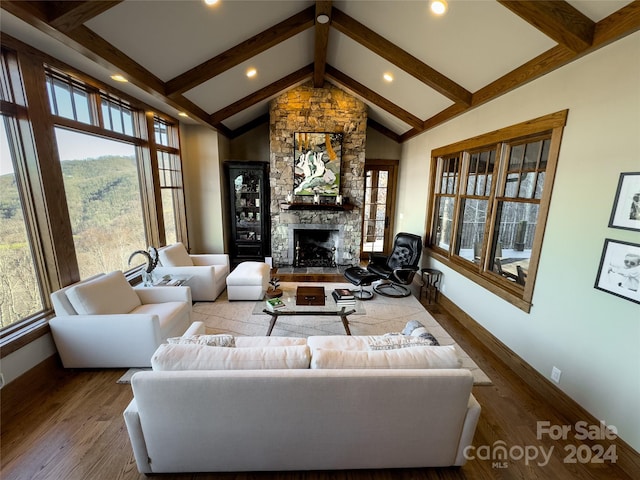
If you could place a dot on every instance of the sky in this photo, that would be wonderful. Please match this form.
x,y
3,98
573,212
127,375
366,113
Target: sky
x,y
71,146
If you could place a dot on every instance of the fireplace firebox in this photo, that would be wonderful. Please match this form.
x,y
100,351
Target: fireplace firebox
x,y
314,248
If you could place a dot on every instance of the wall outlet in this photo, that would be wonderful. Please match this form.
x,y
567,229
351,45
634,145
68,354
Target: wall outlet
x,y
555,374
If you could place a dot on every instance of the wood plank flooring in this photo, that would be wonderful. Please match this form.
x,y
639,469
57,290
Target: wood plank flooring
x,y
67,425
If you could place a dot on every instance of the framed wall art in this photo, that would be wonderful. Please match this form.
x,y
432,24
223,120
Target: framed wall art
x,y
619,271
317,159
626,206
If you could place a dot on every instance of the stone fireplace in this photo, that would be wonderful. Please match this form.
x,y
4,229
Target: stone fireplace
x,y
308,109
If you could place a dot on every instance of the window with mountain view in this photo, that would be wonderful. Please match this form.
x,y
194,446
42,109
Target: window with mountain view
x,y
103,195
489,195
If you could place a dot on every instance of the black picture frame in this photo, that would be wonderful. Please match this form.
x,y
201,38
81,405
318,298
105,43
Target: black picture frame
x,y
619,270
625,213
317,162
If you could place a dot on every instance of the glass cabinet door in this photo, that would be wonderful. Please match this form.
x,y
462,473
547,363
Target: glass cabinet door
x,y
248,208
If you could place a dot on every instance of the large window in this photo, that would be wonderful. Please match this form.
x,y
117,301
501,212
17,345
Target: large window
x,y
490,197
20,293
103,196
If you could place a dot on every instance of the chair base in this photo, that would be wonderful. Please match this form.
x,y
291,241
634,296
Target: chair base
x,y
363,294
390,289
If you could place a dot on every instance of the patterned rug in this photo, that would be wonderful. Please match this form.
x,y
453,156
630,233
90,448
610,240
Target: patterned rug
x,y
379,316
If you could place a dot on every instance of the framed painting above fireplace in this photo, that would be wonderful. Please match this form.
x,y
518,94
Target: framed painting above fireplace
x,y
316,166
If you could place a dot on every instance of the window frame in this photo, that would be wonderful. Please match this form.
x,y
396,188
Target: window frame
x,y
503,139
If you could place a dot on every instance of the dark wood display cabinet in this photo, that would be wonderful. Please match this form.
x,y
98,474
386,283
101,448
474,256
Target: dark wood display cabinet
x,y
248,184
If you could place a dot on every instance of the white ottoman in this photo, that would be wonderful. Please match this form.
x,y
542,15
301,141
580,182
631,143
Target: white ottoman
x,y
248,281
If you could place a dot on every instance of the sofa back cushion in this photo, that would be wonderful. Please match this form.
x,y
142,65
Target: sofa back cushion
x,y
204,357
175,255
414,357
107,294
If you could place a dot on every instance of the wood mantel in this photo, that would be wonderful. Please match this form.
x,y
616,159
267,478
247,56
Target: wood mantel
x,y
320,206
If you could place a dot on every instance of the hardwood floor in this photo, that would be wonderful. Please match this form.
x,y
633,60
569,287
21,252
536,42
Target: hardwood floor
x,y
67,424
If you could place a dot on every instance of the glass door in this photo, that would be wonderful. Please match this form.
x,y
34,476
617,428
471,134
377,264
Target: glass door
x,y
379,206
248,208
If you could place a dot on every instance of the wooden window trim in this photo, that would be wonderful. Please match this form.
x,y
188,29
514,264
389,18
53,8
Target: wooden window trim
x,y
520,297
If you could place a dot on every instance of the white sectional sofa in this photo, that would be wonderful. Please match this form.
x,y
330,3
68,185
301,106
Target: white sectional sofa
x,y
264,405
102,322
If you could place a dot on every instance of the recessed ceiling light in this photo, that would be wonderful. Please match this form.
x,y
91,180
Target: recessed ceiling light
x,y
438,7
252,72
182,114
210,2
322,18
388,77
119,78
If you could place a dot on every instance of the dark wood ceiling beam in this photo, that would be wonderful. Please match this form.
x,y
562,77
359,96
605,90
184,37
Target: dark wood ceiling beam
x,y
383,130
400,58
373,97
321,43
66,16
249,126
557,19
262,94
241,52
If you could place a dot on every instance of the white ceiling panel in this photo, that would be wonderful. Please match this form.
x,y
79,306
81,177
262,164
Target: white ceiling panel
x,y
367,68
272,65
596,10
170,37
473,44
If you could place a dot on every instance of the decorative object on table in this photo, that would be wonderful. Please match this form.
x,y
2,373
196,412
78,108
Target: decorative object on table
x,y
275,303
619,271
317,159
310,296
626,206
151,257
274,290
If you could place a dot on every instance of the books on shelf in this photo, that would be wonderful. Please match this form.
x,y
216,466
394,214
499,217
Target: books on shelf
x,y
275,303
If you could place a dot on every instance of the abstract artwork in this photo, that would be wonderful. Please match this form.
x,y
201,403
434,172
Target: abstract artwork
x,y
317,158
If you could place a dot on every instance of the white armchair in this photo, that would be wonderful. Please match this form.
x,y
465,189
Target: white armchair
x,y
103,322
207,272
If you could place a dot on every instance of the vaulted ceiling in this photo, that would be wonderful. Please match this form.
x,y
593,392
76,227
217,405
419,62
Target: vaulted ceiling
x,y
185,56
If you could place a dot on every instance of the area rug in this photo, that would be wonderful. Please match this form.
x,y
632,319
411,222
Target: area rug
x,y
126,378
379,316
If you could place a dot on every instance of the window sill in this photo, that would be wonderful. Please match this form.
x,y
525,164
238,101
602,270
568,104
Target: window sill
x,y
24,335
513,297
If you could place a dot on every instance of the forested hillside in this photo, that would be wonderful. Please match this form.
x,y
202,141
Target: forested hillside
x,y
105,211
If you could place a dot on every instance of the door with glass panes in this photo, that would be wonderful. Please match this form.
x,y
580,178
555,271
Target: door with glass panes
x,y
379,206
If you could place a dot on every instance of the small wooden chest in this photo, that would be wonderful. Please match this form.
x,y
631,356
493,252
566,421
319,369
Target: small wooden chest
x,y
310,296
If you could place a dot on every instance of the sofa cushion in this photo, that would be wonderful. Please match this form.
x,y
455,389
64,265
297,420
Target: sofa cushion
x,y
107,294
416,357
175,255
222,340
202,357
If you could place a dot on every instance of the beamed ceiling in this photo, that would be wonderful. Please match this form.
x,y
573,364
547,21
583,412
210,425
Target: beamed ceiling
x,y
185,56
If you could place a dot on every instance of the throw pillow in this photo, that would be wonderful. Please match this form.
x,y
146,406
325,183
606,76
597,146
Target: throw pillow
x,y
415,329
221,340
107,294
398,341
175,255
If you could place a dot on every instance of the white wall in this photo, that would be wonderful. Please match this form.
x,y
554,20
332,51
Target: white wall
x,y
202,152
591,336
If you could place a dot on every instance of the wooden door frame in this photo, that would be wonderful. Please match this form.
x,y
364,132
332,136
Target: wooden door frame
x,y
392,186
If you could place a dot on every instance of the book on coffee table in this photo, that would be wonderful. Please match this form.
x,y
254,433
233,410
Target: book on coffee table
x,y
275,303
343,294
